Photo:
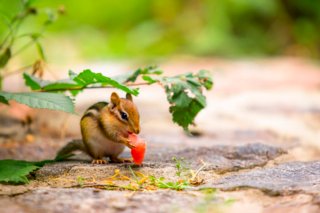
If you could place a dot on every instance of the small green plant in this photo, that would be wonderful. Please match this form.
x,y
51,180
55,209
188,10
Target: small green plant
x,y
145,181
80,181
181,166
163,184
9,49
13,35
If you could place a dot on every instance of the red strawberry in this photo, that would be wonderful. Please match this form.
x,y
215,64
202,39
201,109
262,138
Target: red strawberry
x,y
137,153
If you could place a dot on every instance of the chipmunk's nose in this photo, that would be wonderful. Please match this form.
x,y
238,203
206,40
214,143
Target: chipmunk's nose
x,y
137,130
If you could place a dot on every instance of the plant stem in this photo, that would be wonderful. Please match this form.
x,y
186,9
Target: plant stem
x,y
30,42
23,48
17,71
95,87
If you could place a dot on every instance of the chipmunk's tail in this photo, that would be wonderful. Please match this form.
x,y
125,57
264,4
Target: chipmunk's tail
x,y
66,151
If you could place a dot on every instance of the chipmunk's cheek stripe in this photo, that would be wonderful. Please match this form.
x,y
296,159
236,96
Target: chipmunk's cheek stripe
x,y
92,112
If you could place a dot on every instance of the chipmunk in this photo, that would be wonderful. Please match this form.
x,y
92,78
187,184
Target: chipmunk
x,y
105,128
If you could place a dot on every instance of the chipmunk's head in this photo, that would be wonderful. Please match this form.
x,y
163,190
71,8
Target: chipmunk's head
x,y
126,113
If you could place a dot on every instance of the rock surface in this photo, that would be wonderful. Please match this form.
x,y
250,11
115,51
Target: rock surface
x,y
287,178
92,200
218,159
223,158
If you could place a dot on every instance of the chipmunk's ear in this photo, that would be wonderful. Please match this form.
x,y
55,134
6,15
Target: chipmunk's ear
x,y
115,99
129,96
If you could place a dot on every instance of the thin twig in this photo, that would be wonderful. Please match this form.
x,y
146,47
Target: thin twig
x,y
10,33
199,170
23,47
17,71
33,40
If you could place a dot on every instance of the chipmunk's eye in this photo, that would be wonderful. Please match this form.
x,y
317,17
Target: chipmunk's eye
x,y
124,115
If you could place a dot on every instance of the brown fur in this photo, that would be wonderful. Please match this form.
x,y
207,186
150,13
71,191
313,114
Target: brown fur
x,y
104,132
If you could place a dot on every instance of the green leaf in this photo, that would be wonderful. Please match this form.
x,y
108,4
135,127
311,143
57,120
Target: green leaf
x,y
15,171
205,79
184,93
181,99
132,76
76,83
5,57
151,70
38,84
184,116
32,82
3,100
60,85
43,100
149,79
87,77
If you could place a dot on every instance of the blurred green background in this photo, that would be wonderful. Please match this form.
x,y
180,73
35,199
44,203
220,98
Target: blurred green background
x,y
160,28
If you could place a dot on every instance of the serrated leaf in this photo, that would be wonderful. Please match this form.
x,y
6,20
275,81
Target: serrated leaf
x,y
76,83
5,57
184,93
181,99
38,84
43,100
133,75
32,81
151,70
87,77
15,171
184,116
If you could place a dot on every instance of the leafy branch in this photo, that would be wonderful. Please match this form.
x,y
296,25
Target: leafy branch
x,y
184,92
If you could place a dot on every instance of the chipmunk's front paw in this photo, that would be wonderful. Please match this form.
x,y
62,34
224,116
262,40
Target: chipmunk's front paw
x,y
98,161
127,142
